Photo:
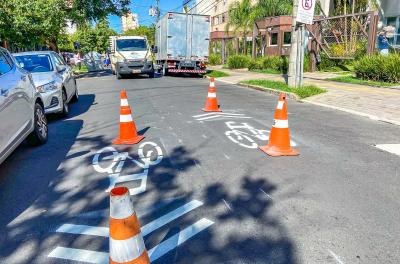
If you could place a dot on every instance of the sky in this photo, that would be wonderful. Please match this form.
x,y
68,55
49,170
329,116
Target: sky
x,y
141,7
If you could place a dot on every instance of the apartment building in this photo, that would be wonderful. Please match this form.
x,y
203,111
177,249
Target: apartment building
x,y
129,21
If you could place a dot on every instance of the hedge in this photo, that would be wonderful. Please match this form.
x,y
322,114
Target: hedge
x,y
379,68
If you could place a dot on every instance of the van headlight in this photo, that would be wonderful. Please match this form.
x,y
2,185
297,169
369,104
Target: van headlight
x,y
51,86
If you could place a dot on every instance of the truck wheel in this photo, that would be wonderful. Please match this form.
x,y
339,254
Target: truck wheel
x,y
119,76
151,74
164,71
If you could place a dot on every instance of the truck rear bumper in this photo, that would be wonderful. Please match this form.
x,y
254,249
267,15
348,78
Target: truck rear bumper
x,y
187,71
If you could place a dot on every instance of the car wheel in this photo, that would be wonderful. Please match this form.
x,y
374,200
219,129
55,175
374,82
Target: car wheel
x,y
40,132
65,107
75,98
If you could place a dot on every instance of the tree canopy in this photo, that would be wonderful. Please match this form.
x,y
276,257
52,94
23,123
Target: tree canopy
x,y
148,31
24,23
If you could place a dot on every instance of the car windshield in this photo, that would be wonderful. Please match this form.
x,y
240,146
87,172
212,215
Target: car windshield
x,y
131,45
35,63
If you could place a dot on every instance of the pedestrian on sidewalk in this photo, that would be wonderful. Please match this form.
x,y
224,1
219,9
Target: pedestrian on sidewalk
x,y
78,59
383,44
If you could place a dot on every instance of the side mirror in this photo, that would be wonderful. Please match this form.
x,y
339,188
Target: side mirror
x,y
61,68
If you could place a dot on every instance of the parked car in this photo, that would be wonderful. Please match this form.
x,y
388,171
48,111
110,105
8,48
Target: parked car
x,y
52,77
21,107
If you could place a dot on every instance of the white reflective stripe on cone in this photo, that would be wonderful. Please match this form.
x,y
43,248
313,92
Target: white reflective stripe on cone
x,y
280,105
124,102
212,84
122,251
280,123
212,95
121,206
125,118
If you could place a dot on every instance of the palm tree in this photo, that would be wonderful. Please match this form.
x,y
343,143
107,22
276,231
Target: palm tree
x,y
270,8
240,18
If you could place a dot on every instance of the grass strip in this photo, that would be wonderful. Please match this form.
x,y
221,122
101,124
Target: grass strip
x,y
267,71
302,92
216,74
355,80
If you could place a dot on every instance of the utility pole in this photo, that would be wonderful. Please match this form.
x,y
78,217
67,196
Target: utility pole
x,y
293,70
157,11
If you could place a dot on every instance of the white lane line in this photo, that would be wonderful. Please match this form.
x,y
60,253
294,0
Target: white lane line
x,y
219,113
227,157
146,229
155,253
227,205
392,148
178,239
269,196
337,258
218,116
204,136
88,256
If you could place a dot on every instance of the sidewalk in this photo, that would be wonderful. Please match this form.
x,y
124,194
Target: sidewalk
x,y
373,102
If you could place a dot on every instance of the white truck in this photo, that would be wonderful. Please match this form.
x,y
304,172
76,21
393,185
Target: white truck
x,y
182,41
131,55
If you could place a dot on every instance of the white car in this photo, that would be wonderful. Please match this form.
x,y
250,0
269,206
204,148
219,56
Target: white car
x,y
52,77
21,107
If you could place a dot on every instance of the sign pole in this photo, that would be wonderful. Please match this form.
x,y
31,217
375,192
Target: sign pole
x,y
292,71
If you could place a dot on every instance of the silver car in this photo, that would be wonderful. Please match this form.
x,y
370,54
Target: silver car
x,y
21,107
52,77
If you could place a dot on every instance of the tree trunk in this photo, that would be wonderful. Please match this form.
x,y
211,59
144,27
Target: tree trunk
x,y
237,45
244,43
53,45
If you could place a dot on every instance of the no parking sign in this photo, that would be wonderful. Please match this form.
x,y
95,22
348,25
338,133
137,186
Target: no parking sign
x,y
305,11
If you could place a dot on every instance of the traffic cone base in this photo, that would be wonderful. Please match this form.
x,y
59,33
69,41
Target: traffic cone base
x,y
130,141
276,151
206,110
143,259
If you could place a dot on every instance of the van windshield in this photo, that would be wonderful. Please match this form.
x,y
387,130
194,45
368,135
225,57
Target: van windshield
x,y
131,45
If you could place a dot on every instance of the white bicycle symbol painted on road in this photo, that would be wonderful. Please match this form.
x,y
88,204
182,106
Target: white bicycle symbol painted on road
x,y
245,138
149,153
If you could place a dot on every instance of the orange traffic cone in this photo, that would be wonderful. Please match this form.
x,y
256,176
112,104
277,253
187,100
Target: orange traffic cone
x,y
211,102
126,241
279,138
127,128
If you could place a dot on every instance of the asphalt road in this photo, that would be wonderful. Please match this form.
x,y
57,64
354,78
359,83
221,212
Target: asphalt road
x,y
203,191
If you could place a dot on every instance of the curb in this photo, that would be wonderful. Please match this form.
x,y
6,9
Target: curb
x,y
271,91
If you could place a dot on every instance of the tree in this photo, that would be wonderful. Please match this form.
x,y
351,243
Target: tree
x,y
270,8
240,18
148,31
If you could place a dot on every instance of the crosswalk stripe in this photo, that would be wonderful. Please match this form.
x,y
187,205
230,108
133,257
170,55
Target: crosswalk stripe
x,y
219,113
97,257
146,229
217,116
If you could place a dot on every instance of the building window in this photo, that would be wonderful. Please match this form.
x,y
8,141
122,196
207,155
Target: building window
x,y
287,36
223,17
273,39
216,20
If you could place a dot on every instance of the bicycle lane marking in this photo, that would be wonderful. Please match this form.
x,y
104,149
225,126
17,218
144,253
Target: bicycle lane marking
x,y
109,160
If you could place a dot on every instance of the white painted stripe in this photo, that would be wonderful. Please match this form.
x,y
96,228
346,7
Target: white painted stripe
x,y
84,230
222,113
121,206
212,95
280,105
337,258
281,123
178,239
146,229
392,148
217,116
212,84
125,118
124,102
171,216
82,255
155,253
126,250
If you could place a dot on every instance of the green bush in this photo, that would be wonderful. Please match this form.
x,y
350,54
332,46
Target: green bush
x,y
379,68
238,61
256,64
215,59
275,63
